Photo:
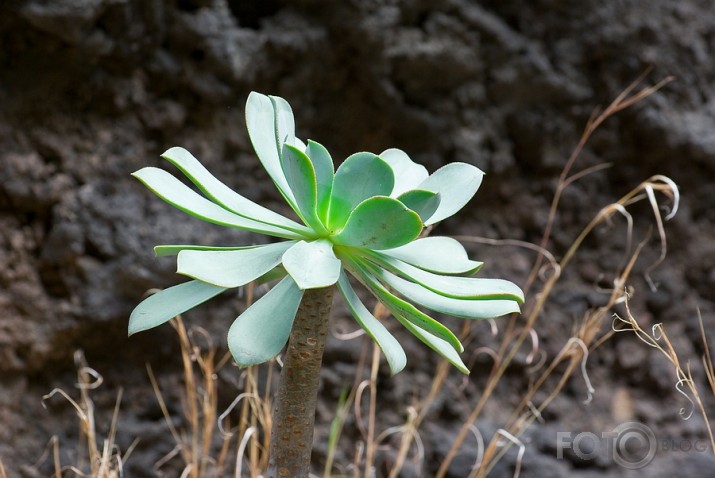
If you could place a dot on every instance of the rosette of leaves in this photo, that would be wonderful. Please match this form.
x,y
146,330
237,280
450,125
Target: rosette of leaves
x,y
363,219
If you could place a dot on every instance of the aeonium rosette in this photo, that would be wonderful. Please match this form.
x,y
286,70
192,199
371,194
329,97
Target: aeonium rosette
x,y
365,219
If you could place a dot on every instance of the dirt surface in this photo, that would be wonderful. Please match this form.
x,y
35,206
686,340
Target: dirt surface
x,y
91,90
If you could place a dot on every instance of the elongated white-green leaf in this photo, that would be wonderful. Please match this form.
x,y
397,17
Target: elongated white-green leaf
x,y
263,125
225,196
324,173
312,264
262,330
392,349
457,183
301,179
438,254
231,268
361,176
174,249
380,223
168,303
440,346
424,203
452,286
176,193
399,307
408,174
465,308
285,123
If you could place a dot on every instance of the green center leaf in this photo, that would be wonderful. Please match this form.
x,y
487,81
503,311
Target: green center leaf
x,y
361,176
299,173
380,223
324,173
424,203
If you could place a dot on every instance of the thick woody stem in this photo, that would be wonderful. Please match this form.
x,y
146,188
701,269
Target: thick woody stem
x,y
294,409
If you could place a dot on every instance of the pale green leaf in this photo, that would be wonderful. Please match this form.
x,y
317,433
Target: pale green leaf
x,y
168,303
465,308
424,203
285,123
179,195
262,330
312,264
174,249
456,183
361,176
264,128
408,174
399,307
380,223
231,268
324,173
452,286
392,349
440,346
223,195
300,175
436,254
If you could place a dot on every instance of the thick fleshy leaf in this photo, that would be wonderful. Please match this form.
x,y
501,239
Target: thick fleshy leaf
x,y
361,176
312,264
452,286
399,307
262,330
231,268
380,223
392,349
456,183
436,254
424,203
268,131
324,173
465,308
440,346
174,249
168,303
300,175
285,123
179,195
408,174
223,195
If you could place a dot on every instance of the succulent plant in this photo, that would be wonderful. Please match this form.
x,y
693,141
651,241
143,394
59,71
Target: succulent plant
x,y
364,219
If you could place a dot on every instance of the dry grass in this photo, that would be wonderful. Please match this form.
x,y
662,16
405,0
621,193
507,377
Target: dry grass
x,y
105,461
658,339
209,443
